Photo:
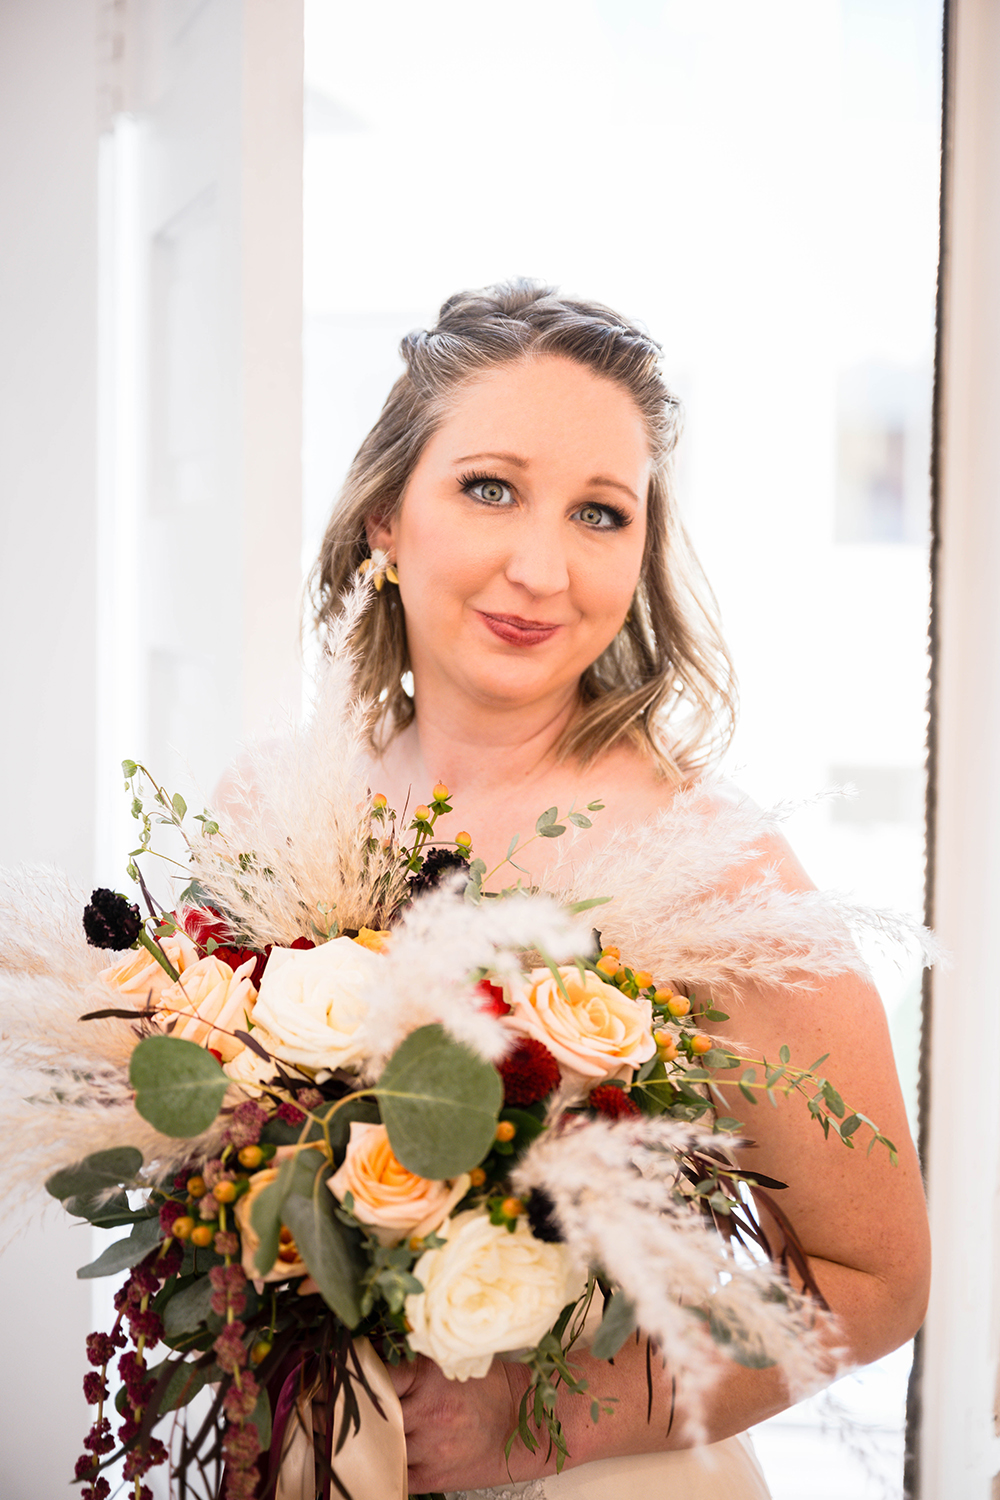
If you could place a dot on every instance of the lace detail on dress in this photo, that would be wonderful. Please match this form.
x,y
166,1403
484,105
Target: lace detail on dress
x,y
533,1489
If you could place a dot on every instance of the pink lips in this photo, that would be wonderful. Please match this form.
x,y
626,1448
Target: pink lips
x,y
518,632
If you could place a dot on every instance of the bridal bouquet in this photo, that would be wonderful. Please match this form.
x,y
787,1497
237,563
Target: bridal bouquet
x,y
340,1091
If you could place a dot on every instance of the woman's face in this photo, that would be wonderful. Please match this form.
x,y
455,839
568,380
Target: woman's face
x,y
520,535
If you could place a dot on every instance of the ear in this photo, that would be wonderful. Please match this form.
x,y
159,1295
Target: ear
x,y
379,532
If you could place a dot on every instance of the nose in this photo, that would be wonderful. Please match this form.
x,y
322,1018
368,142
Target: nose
x,y
538,561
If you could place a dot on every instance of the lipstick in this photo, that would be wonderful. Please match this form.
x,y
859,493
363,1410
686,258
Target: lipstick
x,y
516,631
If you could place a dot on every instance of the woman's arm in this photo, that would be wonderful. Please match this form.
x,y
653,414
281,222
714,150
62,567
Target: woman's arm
x,y
861,1220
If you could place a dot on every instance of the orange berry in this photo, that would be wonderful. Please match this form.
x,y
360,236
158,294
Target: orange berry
x,y
700,1043
202,1235
440,792
506,1130
289,1254
511,1207
464,840
380,800
477,1177
662,995
642,978
666,1045
182,1227
415,1243
196,1187
613,949
422,813
225,1191
251,1156
678,1005
608,965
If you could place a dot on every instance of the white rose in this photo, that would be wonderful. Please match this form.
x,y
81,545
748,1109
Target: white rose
x,y
487,1290
313,1002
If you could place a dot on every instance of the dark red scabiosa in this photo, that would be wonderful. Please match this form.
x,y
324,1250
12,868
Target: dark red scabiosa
x,y
110,921
529,1072
612,1102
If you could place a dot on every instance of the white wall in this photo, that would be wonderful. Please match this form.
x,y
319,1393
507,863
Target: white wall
x,y
48,276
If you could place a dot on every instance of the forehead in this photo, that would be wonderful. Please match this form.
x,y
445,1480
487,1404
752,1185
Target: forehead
x,y
545,407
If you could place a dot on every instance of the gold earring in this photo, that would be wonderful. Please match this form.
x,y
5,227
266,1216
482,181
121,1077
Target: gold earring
x,y
379,566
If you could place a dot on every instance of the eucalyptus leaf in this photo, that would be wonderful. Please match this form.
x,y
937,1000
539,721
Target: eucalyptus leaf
x,y
103,1169
179,1086
439,1104
552,831
261,1419
329,1248
124,1254
185,1383
579,820
189,1309
616,1325
546,818
108,1213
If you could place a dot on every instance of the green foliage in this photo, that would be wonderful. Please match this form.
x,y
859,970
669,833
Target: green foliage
x,y
82,1188
179,1086
329,1248
616,1325
439,1103
125,1253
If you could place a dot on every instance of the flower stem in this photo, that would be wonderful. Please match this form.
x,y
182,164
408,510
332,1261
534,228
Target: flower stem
x,y
161,958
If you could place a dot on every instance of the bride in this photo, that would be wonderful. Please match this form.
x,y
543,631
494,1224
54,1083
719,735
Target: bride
x,y
515,500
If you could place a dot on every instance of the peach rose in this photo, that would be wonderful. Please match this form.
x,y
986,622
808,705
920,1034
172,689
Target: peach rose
x,y
393,1201
592,1030
373,938
210,1000
139,975
289,1262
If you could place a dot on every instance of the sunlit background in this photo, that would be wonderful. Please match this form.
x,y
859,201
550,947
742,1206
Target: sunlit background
x,y
759,186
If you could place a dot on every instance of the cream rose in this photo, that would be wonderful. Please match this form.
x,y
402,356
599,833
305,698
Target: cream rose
x,y
210,1000
487,1290
138,974
313,1003
394,1202
593,1030
289,1262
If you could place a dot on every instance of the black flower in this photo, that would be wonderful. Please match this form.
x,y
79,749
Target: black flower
x,y
110,921
542,1217
436,864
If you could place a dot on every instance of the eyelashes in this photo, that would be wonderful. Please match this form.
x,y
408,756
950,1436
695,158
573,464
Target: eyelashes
x,y
492,491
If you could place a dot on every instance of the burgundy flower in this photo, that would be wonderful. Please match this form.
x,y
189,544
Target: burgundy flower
x,y
614,1103
239,1403
290,1114
529,1072
101,1346
227,1244
170,1211
94,1389
247,1122
229,1350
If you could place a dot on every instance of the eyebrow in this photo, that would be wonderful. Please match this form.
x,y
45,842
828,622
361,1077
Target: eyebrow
x,y
514,459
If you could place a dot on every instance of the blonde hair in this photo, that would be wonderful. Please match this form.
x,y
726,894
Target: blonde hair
x,y
666,681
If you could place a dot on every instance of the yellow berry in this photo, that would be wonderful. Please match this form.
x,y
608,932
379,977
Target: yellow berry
x,y
260,1351
511,1207
440,792
506,1130
700,1043
182,1227
380,800
251,1156
678,1005
463,839
477,1177
422,813
608,965
415,1243
202,1235
224,1191
196,1187
642,979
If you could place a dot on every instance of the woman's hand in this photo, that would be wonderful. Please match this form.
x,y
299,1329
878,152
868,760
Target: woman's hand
x,y
456,1430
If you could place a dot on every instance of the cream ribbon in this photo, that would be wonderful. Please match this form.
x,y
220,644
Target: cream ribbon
x,y
372,1462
